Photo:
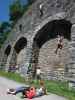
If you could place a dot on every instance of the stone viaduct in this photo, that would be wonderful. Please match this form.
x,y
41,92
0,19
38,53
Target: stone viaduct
x,y
33,40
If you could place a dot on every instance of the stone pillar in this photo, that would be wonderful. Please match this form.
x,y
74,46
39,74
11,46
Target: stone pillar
x,y
3,60
0,58
35,54
9,59
27,59
13,59
71,64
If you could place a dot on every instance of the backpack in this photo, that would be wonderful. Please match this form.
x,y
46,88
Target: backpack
x,y
31,93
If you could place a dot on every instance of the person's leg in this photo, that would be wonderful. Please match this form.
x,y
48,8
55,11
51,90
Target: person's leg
x,y
57,49
61,46
21,89
41,12
60,49
38,77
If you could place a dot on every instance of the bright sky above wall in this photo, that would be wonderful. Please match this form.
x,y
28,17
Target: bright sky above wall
x,y
4,9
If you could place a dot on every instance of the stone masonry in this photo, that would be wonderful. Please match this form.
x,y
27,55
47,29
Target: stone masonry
x,y
53,66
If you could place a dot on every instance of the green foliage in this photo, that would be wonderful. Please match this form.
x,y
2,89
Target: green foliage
x,y
16,10
5,29
60,88
12,76
30,1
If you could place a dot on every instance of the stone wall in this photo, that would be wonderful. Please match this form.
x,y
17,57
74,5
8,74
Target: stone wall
x,y
31,23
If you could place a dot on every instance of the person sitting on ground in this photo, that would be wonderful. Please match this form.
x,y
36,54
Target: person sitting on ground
x,y
33,92
42,90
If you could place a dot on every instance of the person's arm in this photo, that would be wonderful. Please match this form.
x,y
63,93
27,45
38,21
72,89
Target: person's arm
x,y
44,90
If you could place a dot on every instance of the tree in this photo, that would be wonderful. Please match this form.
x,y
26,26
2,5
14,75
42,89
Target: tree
x,y
5,28
30,1
16,11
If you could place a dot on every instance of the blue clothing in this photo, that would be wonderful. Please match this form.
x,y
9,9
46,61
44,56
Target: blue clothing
x,y
21,89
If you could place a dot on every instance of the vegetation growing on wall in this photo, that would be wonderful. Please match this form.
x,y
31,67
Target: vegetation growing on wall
x,y
31,1
5,29
16,10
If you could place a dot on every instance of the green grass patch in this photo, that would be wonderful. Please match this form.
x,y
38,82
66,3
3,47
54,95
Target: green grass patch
x,y
56,87
13,76
60,88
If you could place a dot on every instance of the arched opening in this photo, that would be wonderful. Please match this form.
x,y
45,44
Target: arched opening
x,y
52,29
7,50
19,46
48,32
6,54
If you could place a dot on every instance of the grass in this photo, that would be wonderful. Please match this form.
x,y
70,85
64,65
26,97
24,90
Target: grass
x,y
60,88
56,87
13,76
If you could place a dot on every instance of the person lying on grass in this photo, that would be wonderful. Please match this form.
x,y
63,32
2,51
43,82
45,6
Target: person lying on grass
x,y
35,92
29,92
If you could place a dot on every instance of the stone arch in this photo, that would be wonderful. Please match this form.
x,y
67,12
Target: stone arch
x,y
20,44
7,50
55,27
5,56
47,32
69,70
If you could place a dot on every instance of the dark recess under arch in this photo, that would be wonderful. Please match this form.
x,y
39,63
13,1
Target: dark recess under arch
x,y
51,29
8,49
20,44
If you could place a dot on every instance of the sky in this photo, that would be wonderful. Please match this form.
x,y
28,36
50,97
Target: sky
x,y
4,9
